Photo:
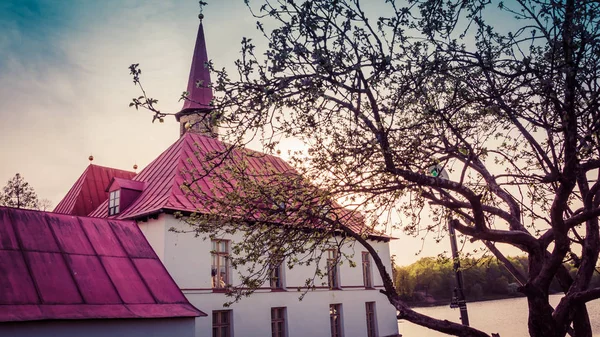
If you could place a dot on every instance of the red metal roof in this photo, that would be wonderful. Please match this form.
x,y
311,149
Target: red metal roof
x,y
57,266
164,177
199,92
125,183
89,190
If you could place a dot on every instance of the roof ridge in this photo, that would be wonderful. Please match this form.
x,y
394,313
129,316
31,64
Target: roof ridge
x,y
177,172
111,168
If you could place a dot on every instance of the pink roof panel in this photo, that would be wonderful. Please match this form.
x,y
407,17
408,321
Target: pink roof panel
x,y
58,266
33,231
15,287
126,279
125,183
89,190
154,274
7,234
102,237
53,278
70,235
135,245
92,280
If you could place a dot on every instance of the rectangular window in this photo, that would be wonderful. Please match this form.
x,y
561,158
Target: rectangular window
x,y
276,277
371,319
332,269
221,323
113,202
278,328
220,264
335,319
366,267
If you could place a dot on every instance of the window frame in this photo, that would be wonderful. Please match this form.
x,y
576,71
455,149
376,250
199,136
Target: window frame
x,y
216,254
333,275
281,318
366,267
114,202
335,320
276,277
371,317
220,324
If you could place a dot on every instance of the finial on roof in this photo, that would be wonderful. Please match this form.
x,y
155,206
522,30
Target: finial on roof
x,y
135,167
91,158
201,4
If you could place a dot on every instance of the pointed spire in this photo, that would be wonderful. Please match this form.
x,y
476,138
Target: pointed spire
x,y
195,113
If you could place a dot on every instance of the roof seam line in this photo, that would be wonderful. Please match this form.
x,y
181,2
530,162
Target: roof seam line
x,y
128,256
100,260
64,258
25,258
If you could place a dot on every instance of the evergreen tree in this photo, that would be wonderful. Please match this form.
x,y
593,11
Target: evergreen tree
x,y
18,193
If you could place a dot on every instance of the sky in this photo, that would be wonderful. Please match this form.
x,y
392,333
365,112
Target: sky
x,y
65,85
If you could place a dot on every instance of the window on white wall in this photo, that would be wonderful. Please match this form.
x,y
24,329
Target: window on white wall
x,y
366,267
113,202
333,277
278,322
221,323
371,319
276,276
335,320
219,272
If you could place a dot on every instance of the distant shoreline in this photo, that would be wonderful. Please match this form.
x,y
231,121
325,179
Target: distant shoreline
x,y
424,304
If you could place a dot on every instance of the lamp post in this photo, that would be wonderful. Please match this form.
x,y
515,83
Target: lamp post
x,y
458,300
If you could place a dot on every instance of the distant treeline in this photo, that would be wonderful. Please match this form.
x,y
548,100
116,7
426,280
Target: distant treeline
x,y
431,280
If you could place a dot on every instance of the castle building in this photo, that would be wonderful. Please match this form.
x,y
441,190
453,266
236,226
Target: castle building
x,y
351,305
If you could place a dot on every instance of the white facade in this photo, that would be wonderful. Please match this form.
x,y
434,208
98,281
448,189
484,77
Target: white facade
x,y
188,260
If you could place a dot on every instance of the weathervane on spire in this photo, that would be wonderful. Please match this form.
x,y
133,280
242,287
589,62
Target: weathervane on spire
x,y
201,4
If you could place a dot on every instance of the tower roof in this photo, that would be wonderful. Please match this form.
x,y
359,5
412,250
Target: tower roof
x,y
199,92
57,267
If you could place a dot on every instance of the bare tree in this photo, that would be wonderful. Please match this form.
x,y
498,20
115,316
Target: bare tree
x,y
45,205
511,112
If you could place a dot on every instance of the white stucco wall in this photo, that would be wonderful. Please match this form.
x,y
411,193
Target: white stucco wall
x,y
154,232
187,258
164,327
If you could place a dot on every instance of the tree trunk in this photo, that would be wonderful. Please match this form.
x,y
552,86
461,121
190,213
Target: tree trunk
x,y
541,323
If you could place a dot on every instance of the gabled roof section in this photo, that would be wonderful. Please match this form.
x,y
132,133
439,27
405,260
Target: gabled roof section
x,y
89,190
129,184
199,92
164,177
62,267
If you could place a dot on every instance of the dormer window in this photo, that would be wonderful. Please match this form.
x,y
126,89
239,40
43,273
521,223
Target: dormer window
x,y
122,192
113,202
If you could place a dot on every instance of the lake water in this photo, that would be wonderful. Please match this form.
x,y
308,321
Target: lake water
x,y
507,317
